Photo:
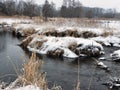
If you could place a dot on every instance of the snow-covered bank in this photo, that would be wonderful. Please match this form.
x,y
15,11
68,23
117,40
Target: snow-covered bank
x,y
115,55
63,46
108,41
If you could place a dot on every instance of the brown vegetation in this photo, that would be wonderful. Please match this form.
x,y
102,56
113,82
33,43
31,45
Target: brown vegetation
x,y
55,53
49,32
38,43
26,41
28,31
88,34
73,47
31,74
68,32
107,33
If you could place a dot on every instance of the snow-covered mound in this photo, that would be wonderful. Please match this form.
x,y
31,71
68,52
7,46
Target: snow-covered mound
x,y
65,46
116,55
113,83
108,41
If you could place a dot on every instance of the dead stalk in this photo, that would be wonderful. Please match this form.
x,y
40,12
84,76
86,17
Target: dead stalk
x,y
78,80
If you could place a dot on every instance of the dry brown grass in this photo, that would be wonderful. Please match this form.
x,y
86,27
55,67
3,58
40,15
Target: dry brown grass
x,y
26,41
70,32
88,34
31,69
107,33
73,47
51,31
38,43
28,31
31,74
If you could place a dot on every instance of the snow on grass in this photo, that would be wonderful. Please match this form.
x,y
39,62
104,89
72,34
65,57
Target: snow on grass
x,y
10,21
63,43
41,29
54,43
116,54
107,41
77,25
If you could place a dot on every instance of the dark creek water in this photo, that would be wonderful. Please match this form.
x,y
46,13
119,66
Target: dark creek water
x,y
63,72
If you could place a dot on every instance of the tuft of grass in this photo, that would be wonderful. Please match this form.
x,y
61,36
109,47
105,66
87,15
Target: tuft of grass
x,y
31,74
28,31
30,69
26,41
88,34
73,46
55,53
50,31
107,33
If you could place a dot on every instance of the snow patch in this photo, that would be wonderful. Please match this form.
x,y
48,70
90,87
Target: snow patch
x,y
29,87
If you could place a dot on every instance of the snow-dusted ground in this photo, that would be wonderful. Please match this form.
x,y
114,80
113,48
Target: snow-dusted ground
x,y
11,21
107,41
28,87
